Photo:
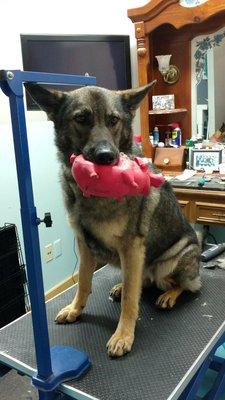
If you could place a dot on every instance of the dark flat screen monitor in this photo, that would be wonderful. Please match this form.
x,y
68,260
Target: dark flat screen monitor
x,y
105,57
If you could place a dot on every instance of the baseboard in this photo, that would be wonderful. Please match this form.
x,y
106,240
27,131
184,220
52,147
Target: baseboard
x,y
67,283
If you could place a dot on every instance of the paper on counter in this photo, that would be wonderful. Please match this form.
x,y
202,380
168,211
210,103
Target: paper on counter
x,y
188,173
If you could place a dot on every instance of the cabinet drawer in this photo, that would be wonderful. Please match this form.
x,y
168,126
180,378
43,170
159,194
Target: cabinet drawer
x,y
211,213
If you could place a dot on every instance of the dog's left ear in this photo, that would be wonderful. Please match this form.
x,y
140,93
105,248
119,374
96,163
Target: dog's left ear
x,y
48,100
132,98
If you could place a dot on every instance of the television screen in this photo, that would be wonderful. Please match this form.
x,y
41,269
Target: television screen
x,y
105,57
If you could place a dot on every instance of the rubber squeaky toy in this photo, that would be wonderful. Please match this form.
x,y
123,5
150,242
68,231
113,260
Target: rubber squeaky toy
x,y
125,178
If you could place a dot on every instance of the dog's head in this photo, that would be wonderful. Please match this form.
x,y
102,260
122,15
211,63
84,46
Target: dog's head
x,y
92,121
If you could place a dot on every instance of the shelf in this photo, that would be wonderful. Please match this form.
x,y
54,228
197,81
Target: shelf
x,y
174,111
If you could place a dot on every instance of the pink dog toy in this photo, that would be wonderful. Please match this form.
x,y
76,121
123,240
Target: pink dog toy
x,y
126,178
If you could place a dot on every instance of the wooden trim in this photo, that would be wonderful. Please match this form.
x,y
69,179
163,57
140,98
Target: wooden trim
x,y
143,74
149,10
67,283
200,193
165,111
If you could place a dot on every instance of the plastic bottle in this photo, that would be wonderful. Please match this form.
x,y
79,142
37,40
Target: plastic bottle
x,y
155,134
151,139
176,137
189,144
180,136
167,139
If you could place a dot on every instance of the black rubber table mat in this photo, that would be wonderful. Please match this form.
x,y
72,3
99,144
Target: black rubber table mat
x,y
192,183
167,343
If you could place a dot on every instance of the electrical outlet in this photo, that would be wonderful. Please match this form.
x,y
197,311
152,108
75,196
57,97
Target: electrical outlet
x,y
48,252
57,248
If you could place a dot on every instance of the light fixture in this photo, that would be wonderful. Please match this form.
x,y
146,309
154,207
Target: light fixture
x,y
169,72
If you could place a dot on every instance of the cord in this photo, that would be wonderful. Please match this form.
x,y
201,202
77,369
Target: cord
x,y
213,237
207,233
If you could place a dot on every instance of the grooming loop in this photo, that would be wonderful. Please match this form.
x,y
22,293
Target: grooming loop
x,y
57,364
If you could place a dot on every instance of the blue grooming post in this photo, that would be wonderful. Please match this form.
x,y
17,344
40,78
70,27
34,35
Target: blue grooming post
x,y
59,363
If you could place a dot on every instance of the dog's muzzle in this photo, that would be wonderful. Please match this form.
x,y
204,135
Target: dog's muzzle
x,y
105,156
102,153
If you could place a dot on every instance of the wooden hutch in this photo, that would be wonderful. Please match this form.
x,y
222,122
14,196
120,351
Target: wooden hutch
x,y
167,27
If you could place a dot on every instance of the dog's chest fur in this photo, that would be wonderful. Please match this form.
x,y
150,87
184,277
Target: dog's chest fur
x,y
109,220
106,223
110,233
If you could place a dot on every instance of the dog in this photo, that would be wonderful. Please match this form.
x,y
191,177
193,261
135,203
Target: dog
x,y
147,236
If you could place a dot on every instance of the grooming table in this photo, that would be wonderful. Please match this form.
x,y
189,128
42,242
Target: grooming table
x,y
169,346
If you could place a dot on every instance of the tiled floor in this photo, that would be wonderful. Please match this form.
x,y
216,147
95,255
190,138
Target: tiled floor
x,y
16,387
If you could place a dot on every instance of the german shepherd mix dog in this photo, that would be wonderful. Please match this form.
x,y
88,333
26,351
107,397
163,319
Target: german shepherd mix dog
x,y
147,236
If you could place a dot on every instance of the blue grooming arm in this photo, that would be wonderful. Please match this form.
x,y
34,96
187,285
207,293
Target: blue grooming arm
x,y
59,363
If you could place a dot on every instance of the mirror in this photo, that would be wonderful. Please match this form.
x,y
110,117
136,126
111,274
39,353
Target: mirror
x,y
208,84
191,3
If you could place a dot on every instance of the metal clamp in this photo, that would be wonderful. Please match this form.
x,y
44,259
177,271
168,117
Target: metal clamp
x,y
47,220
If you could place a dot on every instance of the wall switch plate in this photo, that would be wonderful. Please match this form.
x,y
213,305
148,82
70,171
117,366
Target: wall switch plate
x,y
57,248
48,252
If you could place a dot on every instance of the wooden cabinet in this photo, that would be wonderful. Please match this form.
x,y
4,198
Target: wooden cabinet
x,y
202,206
166,27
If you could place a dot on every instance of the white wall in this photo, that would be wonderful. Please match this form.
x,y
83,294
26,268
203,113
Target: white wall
x,y
48,17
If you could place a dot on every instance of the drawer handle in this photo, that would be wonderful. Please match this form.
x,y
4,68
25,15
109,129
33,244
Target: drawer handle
x,y
216,214
166,161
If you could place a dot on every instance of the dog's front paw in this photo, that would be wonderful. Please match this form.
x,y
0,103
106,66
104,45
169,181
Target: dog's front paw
x,y
119,344
68,314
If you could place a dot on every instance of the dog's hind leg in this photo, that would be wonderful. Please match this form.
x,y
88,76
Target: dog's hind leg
x,y
168,299
132,261
86,269
185,277
172,292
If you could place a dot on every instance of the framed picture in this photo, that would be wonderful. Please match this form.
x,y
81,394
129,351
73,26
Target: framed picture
x,y
164,102
201,158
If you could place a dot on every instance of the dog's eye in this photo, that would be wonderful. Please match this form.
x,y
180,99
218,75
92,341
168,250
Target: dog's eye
x,y
113,119
81,118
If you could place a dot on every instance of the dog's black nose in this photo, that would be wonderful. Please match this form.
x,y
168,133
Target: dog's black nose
x,y
104,156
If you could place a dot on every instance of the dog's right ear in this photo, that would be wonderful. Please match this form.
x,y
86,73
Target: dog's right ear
x,y
132,97
49,101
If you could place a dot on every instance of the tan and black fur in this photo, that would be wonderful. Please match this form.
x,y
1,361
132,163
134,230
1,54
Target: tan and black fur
x,y
148,237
